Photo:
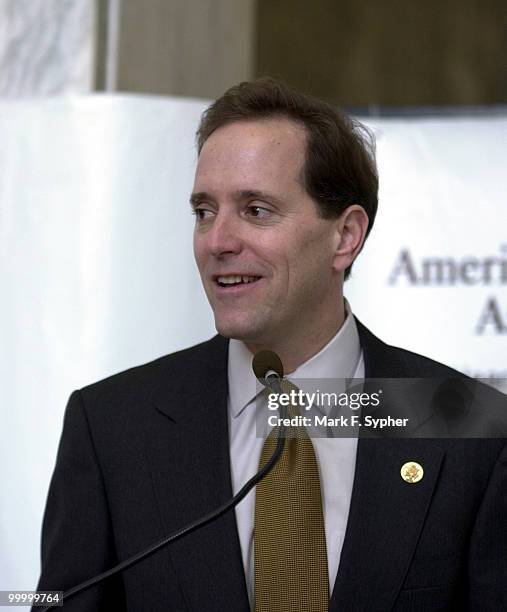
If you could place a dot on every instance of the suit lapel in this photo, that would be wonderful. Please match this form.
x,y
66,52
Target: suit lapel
x,y
386,513
190,464
385,519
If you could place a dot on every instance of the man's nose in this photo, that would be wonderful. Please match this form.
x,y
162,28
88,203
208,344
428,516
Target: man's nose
x,y
225,236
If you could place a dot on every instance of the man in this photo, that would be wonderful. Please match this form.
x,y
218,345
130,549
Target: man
x,y
285,193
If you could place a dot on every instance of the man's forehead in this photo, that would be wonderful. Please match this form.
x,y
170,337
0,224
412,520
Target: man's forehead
x,y
255,153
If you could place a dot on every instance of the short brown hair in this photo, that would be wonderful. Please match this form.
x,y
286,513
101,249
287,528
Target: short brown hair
x,y
340,167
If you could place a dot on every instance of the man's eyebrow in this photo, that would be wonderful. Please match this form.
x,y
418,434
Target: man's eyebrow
x,y
197,197
240,195
247,194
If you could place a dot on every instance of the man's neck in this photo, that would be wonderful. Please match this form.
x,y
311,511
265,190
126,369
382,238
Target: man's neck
x,y
296,350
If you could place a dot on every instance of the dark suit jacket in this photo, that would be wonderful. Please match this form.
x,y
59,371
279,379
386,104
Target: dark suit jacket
x,y
147,451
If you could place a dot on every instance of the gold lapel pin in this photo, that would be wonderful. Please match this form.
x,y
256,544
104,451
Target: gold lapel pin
x,y
412,472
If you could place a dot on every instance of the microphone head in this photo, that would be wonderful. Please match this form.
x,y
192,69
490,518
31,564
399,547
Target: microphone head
x,y
264,361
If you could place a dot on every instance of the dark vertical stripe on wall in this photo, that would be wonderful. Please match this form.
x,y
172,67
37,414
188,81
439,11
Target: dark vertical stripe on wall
x,y
101,43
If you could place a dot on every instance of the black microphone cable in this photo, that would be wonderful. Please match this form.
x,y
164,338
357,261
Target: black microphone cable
x,y
208,518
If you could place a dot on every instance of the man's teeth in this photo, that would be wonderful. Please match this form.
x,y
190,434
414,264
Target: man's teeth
x,y
234,280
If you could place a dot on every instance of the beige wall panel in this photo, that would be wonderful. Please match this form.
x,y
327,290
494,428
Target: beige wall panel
x,y
184,47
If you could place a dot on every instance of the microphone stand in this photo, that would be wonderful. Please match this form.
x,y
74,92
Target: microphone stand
x,y
269,381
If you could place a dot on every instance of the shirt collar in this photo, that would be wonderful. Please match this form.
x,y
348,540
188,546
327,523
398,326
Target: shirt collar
x,y
338,359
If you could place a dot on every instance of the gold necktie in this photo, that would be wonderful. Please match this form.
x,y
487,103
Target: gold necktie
x,y
290,558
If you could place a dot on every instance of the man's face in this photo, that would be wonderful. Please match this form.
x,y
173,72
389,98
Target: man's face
x,y
264,254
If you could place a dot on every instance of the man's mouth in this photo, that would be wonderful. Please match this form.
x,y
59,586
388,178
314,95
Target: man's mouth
x,y
233,280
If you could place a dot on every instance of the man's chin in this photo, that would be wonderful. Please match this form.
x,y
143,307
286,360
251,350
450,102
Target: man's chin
x,y
232,331
238,331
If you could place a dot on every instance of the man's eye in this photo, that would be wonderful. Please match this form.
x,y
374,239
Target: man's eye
x,y
258,212
202,213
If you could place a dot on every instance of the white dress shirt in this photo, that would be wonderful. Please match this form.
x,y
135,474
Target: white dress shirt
x,y
341,358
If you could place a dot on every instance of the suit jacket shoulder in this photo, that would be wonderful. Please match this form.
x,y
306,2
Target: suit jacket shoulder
x,y
189,369
385,361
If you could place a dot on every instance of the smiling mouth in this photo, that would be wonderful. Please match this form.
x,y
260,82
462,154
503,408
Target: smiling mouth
x,y
235,280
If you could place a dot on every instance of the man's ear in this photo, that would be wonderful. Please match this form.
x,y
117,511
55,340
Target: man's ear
x,y
351,227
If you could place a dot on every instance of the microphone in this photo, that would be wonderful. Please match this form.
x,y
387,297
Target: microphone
x,y
268,368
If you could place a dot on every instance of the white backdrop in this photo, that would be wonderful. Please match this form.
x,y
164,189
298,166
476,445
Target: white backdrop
x,y
97,275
